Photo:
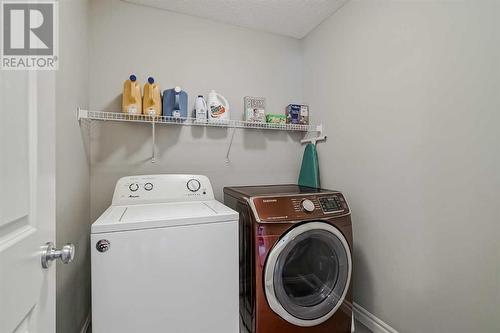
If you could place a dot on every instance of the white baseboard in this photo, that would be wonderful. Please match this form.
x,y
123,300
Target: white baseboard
x,y
373,323
86,325
362,315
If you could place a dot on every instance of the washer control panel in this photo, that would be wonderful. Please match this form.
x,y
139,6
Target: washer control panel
x,y
162,188
297,207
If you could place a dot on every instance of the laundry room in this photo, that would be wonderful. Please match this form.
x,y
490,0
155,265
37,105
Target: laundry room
x,y
248,166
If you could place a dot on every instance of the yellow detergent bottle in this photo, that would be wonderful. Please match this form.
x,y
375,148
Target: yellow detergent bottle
x,y
132,99
151,104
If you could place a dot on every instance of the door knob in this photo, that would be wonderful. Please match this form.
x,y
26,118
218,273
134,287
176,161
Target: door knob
x,y
66,254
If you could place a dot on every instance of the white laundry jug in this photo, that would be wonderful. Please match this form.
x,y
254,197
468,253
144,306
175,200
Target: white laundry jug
x,y
218,107
200,109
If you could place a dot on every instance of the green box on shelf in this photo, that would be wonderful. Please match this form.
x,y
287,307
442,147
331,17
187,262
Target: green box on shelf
x,y
276,118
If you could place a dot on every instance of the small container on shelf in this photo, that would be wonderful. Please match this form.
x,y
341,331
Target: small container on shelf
x,y
255,109
151,102
297,114
175,103
218,108
132,99
200,112
276,119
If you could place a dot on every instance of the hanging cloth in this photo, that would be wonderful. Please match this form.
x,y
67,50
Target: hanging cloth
x,y
309,171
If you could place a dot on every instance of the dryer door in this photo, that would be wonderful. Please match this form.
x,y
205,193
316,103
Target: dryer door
x,y
307,273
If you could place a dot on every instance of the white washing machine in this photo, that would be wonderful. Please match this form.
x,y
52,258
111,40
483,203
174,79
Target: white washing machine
x,y
165,259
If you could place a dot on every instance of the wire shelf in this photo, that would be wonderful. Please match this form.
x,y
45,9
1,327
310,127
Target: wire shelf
x,y
119,116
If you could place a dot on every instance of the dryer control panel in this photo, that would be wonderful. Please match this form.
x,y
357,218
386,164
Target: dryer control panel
x,y
299,207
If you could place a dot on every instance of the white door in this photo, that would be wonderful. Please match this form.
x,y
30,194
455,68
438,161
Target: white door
x,y
27,200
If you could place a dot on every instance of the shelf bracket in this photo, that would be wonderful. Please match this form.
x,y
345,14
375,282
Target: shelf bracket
x,y
81,114
153,139
317,136
229,147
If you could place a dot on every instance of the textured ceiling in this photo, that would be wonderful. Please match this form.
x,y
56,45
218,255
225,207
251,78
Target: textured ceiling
x,y
294,18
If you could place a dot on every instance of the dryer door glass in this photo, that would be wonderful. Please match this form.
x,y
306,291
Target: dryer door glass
x,y
312,271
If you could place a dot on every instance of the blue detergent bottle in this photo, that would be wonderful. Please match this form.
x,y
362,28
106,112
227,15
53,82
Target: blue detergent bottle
x,y
175,103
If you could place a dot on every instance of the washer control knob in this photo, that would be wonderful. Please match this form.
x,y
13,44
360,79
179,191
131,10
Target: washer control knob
x,y
307,205
133,187
148,186
193,185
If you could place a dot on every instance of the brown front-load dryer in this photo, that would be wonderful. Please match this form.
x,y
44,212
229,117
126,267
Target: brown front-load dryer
x,y
295,259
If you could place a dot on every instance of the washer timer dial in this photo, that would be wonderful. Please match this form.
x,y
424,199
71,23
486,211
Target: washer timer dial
x,y
193,185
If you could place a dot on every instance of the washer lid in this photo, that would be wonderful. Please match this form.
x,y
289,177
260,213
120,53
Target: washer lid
x,y
147,216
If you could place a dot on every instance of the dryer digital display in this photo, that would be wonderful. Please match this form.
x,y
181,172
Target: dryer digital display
x,y
331,204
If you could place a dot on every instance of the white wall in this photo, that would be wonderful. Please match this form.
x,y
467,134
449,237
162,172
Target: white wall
x,y
410,94
198,55
72,171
